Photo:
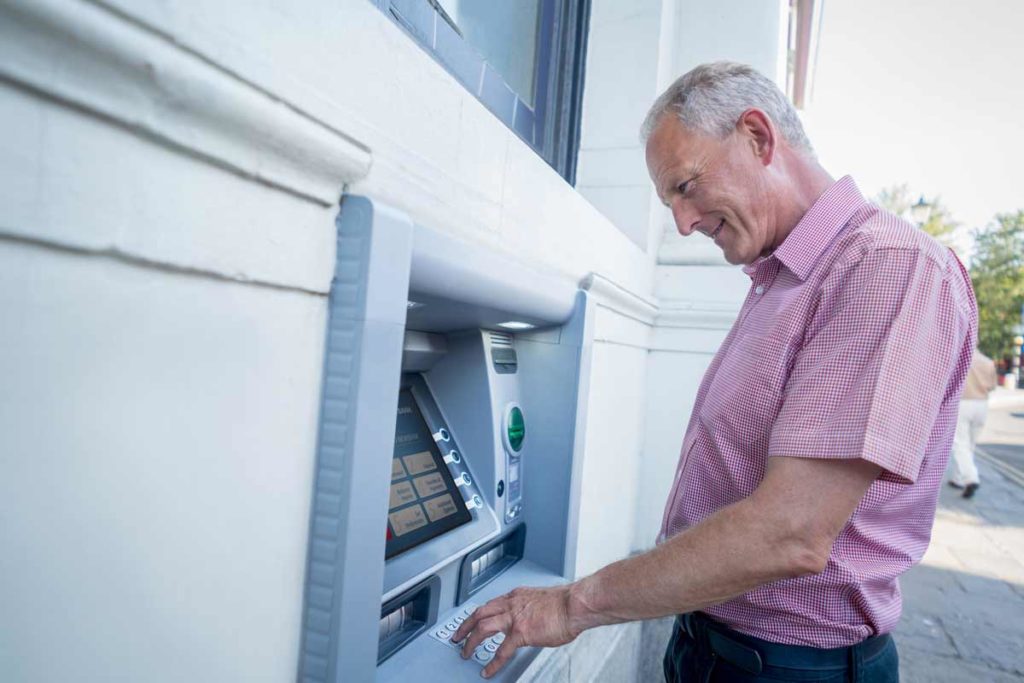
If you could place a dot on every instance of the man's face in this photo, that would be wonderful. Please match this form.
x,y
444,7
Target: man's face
x,y
716,187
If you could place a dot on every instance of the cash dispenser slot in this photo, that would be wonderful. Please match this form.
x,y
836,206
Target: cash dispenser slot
x,y
406,616
487,562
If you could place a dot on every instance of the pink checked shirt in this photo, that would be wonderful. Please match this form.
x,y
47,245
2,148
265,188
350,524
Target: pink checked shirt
x,y
853,342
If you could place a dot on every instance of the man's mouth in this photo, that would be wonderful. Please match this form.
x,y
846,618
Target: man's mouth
x,y
714,233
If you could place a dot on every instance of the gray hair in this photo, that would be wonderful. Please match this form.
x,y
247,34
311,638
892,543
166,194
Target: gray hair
x,y
711,98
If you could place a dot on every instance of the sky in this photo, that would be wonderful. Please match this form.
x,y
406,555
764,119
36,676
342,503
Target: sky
x,y
925,93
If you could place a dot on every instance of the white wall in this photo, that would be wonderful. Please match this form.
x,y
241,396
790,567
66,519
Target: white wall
x,y
624,60
164,256
615,424
157,437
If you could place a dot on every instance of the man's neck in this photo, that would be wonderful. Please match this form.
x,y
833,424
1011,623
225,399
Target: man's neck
x,y
806,182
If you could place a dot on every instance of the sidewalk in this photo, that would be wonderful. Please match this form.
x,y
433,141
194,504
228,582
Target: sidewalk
x,y
963,611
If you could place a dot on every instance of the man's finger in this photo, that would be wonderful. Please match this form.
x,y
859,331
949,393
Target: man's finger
x,y
501,657
465,628
491,608
484,629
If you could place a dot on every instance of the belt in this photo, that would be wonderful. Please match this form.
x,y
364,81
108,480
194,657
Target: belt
x,y
754,654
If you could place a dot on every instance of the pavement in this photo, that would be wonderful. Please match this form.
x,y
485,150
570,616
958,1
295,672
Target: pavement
x,y
963,606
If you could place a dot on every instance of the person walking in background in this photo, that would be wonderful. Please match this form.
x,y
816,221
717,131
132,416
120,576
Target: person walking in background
x,y
981,380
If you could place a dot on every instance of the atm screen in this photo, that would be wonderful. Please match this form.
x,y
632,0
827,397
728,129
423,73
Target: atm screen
x,y
425,502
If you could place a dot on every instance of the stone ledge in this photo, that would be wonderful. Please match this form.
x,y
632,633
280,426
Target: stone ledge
x,y
87,57
621,300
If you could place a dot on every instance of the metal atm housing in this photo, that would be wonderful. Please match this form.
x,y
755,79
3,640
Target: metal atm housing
x,y
449,447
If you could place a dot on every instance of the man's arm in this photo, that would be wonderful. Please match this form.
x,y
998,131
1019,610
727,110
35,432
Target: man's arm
x,y
784,529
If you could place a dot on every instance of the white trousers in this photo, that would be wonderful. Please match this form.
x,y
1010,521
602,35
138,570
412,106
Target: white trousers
x,y
968,425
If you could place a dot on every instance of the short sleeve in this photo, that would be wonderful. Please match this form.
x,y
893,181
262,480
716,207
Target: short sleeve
x,y
876,363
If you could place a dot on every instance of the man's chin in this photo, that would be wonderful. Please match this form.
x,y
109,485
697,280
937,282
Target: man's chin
x,y
734,259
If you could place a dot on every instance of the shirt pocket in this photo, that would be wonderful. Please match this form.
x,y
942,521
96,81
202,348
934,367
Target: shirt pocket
x,y
745,394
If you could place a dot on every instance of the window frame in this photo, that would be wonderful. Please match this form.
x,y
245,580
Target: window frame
x,y
552,126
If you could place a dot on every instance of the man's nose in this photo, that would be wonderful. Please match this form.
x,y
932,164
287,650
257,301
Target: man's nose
x,y
687,220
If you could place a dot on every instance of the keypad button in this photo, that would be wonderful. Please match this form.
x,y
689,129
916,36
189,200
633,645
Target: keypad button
x,y
452,626
459,619
491,646
499,638
483,656
443,633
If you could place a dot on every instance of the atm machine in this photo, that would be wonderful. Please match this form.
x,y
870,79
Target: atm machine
x,y
449,452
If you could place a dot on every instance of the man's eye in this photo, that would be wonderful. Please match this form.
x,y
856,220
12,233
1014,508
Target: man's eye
x,y
681,187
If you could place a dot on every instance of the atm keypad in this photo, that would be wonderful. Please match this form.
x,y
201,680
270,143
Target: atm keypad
x,y
447,627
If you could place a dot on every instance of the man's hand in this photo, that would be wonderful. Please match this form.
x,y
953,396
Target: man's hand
x,y
527,616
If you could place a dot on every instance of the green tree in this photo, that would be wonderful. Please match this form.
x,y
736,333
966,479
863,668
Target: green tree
x,y
930,215
997,273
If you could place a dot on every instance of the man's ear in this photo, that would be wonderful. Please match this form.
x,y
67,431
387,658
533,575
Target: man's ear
x,y
760,132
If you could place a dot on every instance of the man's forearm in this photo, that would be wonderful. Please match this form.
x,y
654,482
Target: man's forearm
x,y
785,528
731,552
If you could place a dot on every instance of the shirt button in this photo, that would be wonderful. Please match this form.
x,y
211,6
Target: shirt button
x,y
759,289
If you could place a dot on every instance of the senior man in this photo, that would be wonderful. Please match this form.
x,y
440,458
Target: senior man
x,y
810,470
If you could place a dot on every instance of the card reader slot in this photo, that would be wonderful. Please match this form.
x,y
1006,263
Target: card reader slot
x,y
486,563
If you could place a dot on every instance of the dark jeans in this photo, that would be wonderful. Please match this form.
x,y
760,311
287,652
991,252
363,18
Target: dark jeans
x,y
703,651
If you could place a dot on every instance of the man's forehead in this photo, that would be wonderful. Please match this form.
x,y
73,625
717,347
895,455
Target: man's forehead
x,y
672,139
670,145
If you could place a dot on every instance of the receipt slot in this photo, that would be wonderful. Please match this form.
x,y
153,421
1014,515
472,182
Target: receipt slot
x,y
449,450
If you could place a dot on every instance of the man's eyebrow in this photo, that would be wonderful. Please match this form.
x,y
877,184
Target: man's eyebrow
x,y
694,173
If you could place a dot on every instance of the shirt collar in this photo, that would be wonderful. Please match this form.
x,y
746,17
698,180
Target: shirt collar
x,y
802,248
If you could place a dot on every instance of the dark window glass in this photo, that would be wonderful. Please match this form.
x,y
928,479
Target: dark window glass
x,y
522,58
504,32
